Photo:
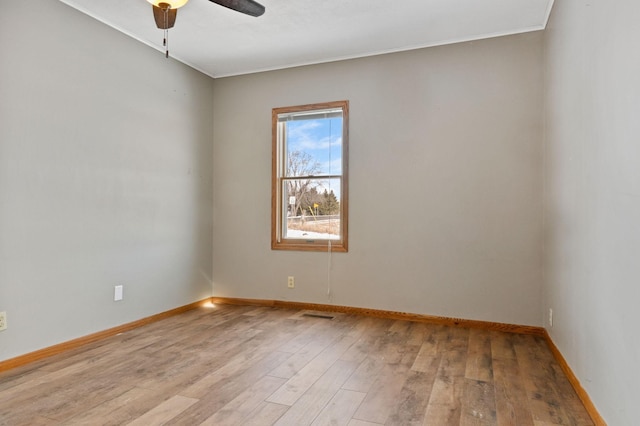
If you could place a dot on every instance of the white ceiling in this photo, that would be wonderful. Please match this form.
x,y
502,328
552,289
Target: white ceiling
x,y
221,42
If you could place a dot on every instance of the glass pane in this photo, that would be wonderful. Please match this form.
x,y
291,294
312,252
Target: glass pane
x,y
314,146
312,209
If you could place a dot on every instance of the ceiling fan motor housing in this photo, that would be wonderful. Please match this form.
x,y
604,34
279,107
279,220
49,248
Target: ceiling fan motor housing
x,y
164,16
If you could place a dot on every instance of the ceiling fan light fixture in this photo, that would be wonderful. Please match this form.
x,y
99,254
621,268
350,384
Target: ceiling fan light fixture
x,y
173,4
165,12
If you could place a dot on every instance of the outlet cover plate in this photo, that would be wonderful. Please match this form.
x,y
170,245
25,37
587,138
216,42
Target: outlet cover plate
x,y
118,293
3,321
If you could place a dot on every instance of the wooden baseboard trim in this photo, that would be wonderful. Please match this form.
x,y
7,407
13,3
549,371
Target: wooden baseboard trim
x,y
75,343
453,322
582,394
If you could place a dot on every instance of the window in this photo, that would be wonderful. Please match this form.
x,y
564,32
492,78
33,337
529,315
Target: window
x,y
309,183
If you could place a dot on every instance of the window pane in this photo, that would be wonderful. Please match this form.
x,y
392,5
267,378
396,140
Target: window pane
x,y
312,209
313,146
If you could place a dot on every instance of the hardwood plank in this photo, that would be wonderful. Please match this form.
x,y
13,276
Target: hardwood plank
x,y
302,357
479,356
225,391
416,392
27,418
111,412
31,385
414,397
365,375
164,412
512,403
295,387
478,404
234,366
543,398
400,327
265,414
20,375
257,311
445,405
427,353
340,409
97,351
310,332
213,347
383,397
373,352
502,345
418,332
55,399
316,397
234,362
241,408
362,348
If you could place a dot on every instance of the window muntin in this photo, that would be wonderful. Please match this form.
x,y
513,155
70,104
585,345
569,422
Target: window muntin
x,y
309,199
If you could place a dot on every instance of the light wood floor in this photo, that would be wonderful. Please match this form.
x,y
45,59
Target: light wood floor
x,y
236,365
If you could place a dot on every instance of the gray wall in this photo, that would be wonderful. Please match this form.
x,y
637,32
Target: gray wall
x,y
592,214
445,183
105,177
96,189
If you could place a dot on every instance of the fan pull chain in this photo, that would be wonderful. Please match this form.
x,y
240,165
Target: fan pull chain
x,y
165,41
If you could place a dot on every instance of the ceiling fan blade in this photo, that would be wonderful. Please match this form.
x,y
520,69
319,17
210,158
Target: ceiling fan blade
x,y
164,22
248,7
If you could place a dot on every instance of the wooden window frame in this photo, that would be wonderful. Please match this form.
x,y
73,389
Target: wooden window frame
x,y
278,158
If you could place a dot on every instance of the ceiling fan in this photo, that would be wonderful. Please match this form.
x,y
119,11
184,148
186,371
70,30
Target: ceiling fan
x,y
165,12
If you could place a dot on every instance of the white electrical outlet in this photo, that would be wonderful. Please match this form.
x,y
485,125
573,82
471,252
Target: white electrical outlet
x,y
291,282
118,293
3,321
550,317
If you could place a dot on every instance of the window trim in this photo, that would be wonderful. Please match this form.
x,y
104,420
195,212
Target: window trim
x,y
277,157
